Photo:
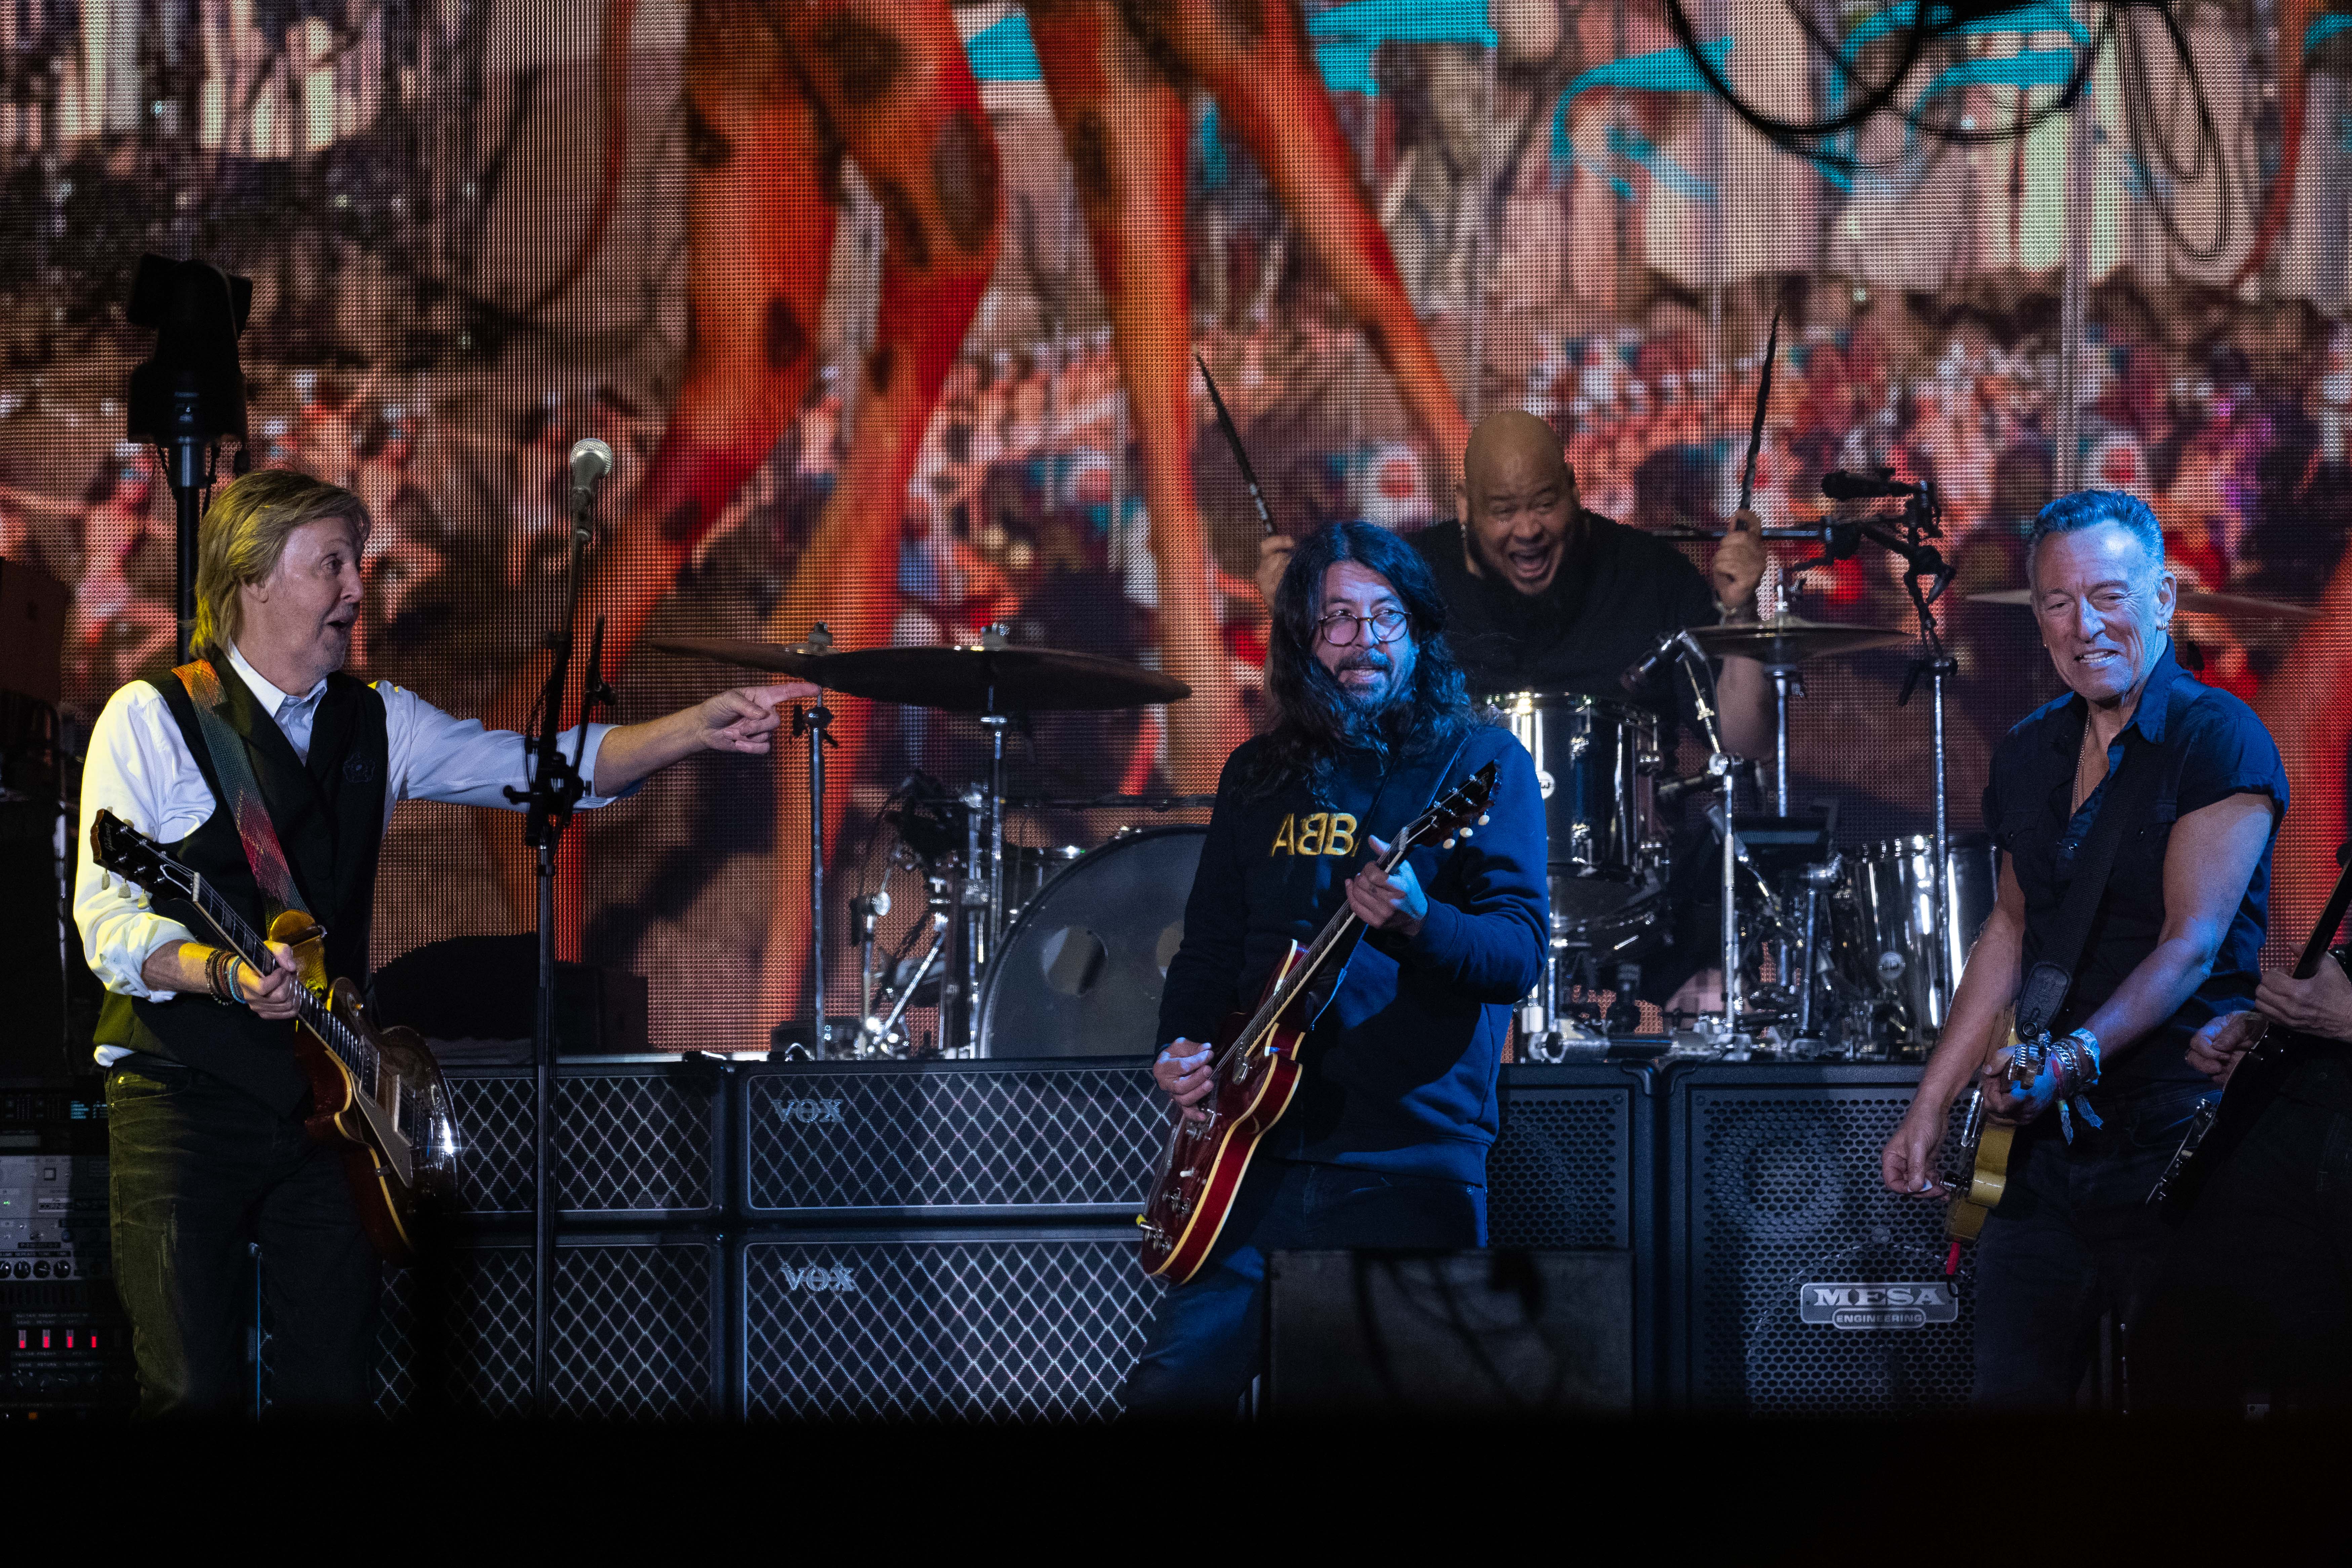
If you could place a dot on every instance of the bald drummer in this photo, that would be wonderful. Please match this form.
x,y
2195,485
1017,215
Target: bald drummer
x,y
1546,596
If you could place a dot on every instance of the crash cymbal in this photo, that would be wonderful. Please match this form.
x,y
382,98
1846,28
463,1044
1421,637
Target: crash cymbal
x,y
979,679
2243,607
1787,639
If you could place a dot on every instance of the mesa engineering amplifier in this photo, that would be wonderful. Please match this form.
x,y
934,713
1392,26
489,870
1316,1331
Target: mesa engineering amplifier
x,y
1797,1284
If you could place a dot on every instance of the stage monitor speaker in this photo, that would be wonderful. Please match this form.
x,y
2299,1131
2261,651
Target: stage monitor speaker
x,y
636,1328
636,1142
1036,1325
1798,1284
840,1143
1506,1332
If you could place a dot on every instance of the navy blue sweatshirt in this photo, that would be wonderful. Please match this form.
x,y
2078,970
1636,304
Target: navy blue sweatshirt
x,y
1399,1070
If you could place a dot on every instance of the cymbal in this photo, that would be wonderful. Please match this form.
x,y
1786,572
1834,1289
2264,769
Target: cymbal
x,y
968,679
796,659
2229,605
1787,639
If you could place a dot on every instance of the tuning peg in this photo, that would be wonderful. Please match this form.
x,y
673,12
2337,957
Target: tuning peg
x,y
1445,844
1484,819
1465,832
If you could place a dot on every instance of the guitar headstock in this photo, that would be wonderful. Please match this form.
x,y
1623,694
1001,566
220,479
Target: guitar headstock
x,y
130,854
1457,816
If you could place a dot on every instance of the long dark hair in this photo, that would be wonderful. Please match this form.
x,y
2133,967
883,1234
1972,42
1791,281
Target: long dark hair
x,y
1313,720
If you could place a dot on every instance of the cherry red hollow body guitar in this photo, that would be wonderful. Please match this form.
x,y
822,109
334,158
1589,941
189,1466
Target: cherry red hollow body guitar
x,y
1256,1068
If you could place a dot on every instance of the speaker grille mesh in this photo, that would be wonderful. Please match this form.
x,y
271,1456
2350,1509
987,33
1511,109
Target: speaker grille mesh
x,y
632,1326
1785,1193
982,1330
1003,1138
1560,1176
625,1143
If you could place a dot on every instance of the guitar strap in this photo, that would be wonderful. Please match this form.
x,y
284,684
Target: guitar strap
x,y
246,807
2129,795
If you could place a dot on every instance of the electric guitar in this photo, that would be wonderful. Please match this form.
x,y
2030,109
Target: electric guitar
x,y
2220,1126
377,1092
1984,1148
1256,1066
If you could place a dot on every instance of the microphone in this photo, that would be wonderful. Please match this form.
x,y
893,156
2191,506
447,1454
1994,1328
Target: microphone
x,y
1637,675
591,461
1669,791
1840,485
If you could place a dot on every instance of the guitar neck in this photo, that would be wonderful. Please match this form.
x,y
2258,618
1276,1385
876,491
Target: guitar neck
x,y
248,944
2331,920
1336,929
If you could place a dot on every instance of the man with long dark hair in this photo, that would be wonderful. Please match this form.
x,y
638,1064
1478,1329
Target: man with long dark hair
x,y
1385,1143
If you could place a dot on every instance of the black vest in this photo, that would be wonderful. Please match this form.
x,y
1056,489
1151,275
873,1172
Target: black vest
x,y
330,819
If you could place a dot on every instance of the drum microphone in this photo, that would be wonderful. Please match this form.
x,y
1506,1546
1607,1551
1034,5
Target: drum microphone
x,y
1669,791
1840,485
1638,675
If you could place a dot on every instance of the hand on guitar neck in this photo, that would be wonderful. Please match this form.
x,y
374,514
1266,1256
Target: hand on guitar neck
x,y
183,966
2318,1005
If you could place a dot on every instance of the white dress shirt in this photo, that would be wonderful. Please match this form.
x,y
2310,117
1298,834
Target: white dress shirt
x,y
140,769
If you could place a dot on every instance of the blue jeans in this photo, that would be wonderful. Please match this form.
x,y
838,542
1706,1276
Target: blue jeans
x,y
2073,1240
1206,1342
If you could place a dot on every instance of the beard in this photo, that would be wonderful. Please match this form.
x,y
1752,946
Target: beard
x,y
1372,711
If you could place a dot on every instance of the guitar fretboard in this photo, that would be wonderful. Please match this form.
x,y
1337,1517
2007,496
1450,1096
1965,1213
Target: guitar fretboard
x,y
310,1007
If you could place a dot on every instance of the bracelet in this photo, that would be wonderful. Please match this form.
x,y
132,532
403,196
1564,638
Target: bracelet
x,y
212,974
2086,1044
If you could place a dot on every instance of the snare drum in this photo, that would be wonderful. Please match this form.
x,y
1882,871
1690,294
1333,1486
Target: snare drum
x,y
1882,916
1594,760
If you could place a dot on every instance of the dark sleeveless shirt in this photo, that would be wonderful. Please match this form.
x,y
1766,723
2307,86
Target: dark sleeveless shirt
x,y
330,818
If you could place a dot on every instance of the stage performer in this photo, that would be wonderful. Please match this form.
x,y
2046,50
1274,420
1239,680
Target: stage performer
x,y
2173,943
2251,1313
1385,1144
204,1099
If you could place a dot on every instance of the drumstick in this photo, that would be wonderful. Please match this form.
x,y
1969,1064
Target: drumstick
x,y
1763,402
1234,439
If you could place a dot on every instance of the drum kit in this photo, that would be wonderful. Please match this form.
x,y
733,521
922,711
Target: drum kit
x,y
1061,950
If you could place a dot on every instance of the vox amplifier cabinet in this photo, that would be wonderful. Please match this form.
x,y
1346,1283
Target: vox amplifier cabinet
x,y
970,1325
1038,1141
636,1328
635,1142
1798,1284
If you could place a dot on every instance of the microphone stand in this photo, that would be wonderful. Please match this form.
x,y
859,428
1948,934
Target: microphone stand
x,y
555,789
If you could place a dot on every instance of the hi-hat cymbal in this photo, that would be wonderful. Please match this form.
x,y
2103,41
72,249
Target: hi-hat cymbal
x,y
1787,639
2237,605
970,680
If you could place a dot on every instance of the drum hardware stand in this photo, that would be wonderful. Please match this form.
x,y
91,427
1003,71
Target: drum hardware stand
x,y
1820,878
815,721
1724,769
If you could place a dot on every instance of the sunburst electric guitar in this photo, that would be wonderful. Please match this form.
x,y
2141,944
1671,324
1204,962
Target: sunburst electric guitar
x,y
1257,1068
378,1092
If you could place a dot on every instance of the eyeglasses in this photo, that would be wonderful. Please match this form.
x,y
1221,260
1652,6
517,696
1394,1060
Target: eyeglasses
x,y
1338,628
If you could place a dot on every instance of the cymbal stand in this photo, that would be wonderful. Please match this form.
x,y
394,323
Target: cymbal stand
x,y
1724,768
1925,578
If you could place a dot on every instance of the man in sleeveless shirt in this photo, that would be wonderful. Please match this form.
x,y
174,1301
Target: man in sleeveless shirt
x,y
204,1099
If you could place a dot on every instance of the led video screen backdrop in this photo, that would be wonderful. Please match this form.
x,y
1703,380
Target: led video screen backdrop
x,y
889,309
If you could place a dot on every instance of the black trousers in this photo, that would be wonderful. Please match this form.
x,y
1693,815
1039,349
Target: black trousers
x,y
2073,1240
199,1171
2253,1310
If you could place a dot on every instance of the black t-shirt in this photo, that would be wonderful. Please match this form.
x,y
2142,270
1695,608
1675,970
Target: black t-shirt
x,y
2210,747
1606,608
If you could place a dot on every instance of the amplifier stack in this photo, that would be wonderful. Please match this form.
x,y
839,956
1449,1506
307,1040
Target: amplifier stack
x,y
893,1241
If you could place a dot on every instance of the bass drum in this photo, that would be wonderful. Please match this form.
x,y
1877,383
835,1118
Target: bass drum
x,y
1081,970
